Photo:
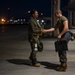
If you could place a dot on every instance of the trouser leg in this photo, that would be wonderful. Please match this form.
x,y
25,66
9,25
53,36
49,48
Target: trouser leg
x,y
33,54
62,56
63,61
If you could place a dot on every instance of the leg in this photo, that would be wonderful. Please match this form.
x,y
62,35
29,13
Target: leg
x,y
33,56
33,52
63,61
62,56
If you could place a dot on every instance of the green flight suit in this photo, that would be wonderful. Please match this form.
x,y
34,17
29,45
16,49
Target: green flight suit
x,y
34,31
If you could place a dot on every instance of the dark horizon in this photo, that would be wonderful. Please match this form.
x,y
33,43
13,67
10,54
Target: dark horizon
x,y
19,9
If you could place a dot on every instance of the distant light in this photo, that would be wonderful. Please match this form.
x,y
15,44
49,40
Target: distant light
x,y
37,20
28,11
7,21
3,20
41,13
42,21
24,19
15,21
18,19
11,20
8,8
21,19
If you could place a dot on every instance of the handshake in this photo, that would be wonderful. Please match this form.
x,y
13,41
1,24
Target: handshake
x,y
47,30
51,30
43,30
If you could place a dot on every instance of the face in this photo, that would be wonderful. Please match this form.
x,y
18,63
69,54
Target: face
x,y
35,15
57,15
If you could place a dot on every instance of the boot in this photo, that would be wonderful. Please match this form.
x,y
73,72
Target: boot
x,y
62,67
34,62
36,65
58,66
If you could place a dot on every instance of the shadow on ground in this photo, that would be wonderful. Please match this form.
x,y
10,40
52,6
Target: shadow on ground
x,y
27,62
20,61
49,65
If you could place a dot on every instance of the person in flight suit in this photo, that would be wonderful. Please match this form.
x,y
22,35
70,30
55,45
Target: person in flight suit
x,y
62,24
34,30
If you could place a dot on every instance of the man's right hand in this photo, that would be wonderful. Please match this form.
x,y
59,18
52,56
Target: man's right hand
x,y
44,31
47,30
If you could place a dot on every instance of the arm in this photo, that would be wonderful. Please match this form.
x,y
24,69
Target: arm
x,y
50,30
65,23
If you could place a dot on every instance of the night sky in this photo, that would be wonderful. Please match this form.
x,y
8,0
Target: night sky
x,y
19,8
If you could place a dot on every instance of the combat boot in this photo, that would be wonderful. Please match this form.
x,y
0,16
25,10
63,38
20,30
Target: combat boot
x,y
34,63
62,67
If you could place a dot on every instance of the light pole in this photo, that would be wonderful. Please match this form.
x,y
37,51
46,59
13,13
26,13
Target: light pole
x,y
55,5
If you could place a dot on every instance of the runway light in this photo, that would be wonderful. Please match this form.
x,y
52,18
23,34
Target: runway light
x,y
3,20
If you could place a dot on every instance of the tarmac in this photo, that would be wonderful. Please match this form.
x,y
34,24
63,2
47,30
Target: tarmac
x,y
15,50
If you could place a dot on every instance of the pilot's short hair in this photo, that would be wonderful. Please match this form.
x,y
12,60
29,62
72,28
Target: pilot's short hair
x,y
58,11
33,11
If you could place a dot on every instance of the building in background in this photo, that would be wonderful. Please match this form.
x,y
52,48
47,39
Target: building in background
x,y
71,16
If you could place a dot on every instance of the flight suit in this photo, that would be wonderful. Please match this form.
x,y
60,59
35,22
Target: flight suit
x,y
34,30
